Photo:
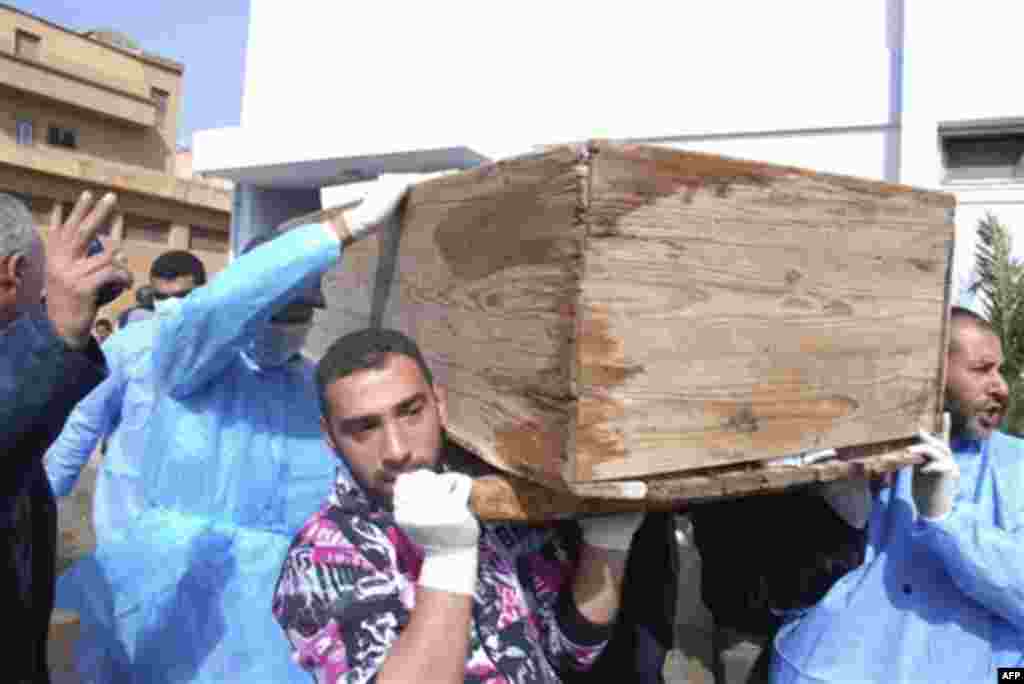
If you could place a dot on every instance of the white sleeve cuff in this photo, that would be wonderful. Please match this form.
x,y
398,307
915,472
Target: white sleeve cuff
x,y
330,231
940,519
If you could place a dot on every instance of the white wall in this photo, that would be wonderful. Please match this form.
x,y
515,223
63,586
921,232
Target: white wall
x,y
849,87
501,77
960,65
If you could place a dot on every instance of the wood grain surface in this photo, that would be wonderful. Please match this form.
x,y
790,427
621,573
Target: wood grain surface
x,y
734,311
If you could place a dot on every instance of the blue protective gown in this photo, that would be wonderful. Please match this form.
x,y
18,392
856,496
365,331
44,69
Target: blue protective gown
x,y
938,601
118,409
233,463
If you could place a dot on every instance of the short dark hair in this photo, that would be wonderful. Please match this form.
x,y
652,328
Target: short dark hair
x,y
959,316
178,263
104,321
362,350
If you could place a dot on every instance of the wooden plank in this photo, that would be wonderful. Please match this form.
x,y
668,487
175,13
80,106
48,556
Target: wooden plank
x,y
502,497
734,311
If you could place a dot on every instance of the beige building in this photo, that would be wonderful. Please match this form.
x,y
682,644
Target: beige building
x,y
91,111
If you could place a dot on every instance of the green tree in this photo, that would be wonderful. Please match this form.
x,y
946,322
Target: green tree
x,y
999,279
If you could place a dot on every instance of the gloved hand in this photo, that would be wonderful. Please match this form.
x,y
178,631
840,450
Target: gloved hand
x,y
936,481
380,206
613,532
434,511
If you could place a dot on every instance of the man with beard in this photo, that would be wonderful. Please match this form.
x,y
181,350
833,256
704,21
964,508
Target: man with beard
x,y
394,580
940,594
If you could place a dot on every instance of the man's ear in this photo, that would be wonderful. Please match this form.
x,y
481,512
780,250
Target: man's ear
x,y
325,428
441,396
12,269
14,266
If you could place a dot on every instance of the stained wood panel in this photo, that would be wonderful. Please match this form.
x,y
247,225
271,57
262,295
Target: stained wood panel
x,y
733,311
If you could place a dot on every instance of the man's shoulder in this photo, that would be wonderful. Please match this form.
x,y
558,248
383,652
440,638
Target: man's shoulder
x,y
1006,440
337,537
321,528
1006,454
332,526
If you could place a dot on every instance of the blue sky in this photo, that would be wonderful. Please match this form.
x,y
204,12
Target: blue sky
x,y
207,36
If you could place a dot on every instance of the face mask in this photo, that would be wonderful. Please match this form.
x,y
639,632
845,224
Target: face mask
x,y
277,343
850,499
166,307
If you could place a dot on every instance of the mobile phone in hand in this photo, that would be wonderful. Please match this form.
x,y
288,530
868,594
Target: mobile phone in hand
x,y
110,291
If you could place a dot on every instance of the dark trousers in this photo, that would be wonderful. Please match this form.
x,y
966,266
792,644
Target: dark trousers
x,y
27,580
645,627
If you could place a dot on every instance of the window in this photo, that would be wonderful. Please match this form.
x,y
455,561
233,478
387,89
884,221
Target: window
x,y
62,137
160,98
208,240
983,150
23,132
26,44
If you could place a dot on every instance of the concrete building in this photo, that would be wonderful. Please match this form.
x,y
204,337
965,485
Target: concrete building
x,y
92,111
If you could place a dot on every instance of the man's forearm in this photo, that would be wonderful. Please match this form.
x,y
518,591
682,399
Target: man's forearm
x,y
434,646
985,561
597,586
200,334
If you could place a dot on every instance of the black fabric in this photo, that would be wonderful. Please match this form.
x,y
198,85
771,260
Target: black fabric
x,y
41,380
575,626
645,626
770,553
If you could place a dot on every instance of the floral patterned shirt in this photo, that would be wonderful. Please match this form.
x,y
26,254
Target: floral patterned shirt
x,y
348,586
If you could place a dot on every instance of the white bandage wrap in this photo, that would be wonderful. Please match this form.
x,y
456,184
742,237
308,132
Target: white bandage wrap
x,y
451,570
434,511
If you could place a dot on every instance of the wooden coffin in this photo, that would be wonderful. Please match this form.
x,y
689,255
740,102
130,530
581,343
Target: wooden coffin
x,y
608,313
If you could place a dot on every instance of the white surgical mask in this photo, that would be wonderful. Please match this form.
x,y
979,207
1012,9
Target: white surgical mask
x,y
277,343
166,307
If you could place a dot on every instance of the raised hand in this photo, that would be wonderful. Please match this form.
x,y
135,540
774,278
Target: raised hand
x,y
73,278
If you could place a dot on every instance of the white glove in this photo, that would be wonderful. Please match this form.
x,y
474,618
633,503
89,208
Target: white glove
x,y
613,532
434,511
936,481
381,204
